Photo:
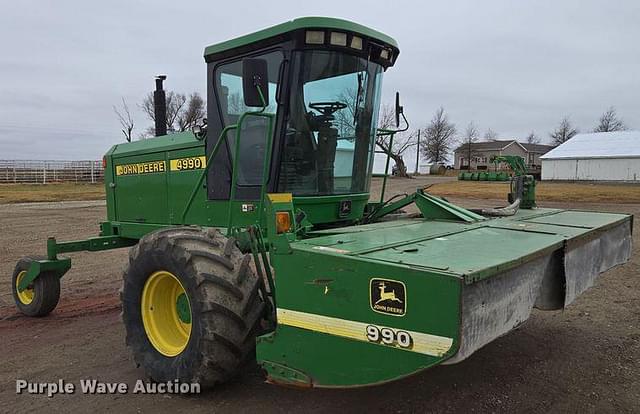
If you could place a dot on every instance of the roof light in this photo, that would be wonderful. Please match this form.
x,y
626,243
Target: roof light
x,y
384,54
356,42
314,37
338,39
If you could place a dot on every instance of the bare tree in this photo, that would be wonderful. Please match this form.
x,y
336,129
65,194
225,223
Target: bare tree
x,y
125,119
564,132
439,136
490,135
471,136
175,105
344,118
610,122
149,132
192,114
532,138
402,141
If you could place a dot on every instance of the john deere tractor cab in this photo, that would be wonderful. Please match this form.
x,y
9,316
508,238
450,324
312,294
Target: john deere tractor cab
x,y
253,235
322,83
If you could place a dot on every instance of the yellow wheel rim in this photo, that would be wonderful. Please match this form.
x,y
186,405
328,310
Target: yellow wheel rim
x,y
26,296
166,313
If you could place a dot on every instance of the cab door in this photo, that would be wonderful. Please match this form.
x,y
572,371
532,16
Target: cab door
x,y
226,107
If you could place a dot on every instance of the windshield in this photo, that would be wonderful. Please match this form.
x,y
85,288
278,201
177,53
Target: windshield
x,y
330,131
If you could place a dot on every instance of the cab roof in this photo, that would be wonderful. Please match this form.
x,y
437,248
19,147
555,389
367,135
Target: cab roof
x,y
296,24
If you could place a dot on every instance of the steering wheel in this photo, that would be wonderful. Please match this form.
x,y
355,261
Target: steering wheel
x,y
327,108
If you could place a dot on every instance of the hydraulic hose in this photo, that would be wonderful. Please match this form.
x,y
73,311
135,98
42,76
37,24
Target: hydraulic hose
x,y
517,187
509,210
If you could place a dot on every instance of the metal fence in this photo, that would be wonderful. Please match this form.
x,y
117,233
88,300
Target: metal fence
x,y
45,172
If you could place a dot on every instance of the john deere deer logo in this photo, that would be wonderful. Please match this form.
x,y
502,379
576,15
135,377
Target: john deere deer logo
x,y
387,296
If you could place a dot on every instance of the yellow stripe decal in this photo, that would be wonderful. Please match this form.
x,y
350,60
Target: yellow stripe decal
x,y
280,197
190,163
423,343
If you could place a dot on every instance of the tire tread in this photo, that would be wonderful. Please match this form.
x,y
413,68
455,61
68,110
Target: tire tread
x,y
228,304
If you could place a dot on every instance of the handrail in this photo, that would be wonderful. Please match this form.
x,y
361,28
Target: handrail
x,y
265,166
223,137
386,167
391,133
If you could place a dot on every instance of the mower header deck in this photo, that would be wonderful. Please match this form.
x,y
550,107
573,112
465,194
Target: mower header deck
x,y
451,287
469,250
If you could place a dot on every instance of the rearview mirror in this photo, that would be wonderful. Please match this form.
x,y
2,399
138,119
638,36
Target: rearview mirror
x,y
255,75
399,109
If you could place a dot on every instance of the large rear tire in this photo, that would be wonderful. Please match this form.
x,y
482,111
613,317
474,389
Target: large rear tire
x,y
191,306
41,296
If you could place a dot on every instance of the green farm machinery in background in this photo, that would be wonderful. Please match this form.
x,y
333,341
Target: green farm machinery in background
x,y
515,162
523,185
484,176
254,236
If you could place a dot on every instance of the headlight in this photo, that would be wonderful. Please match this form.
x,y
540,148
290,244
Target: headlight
x,y
338,39
314,37
356,42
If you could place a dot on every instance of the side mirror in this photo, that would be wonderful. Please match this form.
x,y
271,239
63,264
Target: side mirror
x,y
399,109
255,75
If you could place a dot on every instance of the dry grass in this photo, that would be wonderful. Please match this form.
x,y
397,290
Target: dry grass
x,y
23,193
545,191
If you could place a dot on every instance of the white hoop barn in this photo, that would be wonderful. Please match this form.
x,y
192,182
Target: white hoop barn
x,y
603,156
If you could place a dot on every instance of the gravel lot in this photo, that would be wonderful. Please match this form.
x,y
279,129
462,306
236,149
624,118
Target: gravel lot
x,y
583,359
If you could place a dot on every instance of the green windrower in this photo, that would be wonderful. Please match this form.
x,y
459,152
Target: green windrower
x,y
253,235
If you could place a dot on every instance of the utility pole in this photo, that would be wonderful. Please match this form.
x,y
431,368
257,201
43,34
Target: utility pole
x,y
417,153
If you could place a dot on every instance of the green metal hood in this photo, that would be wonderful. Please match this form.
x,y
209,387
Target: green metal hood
x,y
169,142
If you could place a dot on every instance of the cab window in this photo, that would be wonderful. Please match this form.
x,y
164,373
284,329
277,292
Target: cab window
x,y
253,130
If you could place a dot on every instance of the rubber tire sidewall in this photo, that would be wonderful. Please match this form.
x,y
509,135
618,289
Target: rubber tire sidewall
x,y
46,289
159,367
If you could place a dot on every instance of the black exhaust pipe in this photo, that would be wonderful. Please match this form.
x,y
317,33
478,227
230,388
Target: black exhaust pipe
x,y
160,106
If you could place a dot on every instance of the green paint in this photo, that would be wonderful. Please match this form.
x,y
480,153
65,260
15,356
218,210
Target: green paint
x,y
516,163
324,264
93,244
231,223
328,274
300,23
326,209
335,361
390,134
183,308
519,168
430,206
58,267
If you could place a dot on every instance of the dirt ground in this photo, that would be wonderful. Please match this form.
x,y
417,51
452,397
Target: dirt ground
x,y
583,359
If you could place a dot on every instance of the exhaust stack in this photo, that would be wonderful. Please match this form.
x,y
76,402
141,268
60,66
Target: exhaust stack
x,y
160,106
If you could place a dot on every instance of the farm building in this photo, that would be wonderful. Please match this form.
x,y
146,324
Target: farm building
x,y
603,156
478,155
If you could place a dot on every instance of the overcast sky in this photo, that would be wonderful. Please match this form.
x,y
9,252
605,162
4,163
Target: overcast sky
x,y
505,65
